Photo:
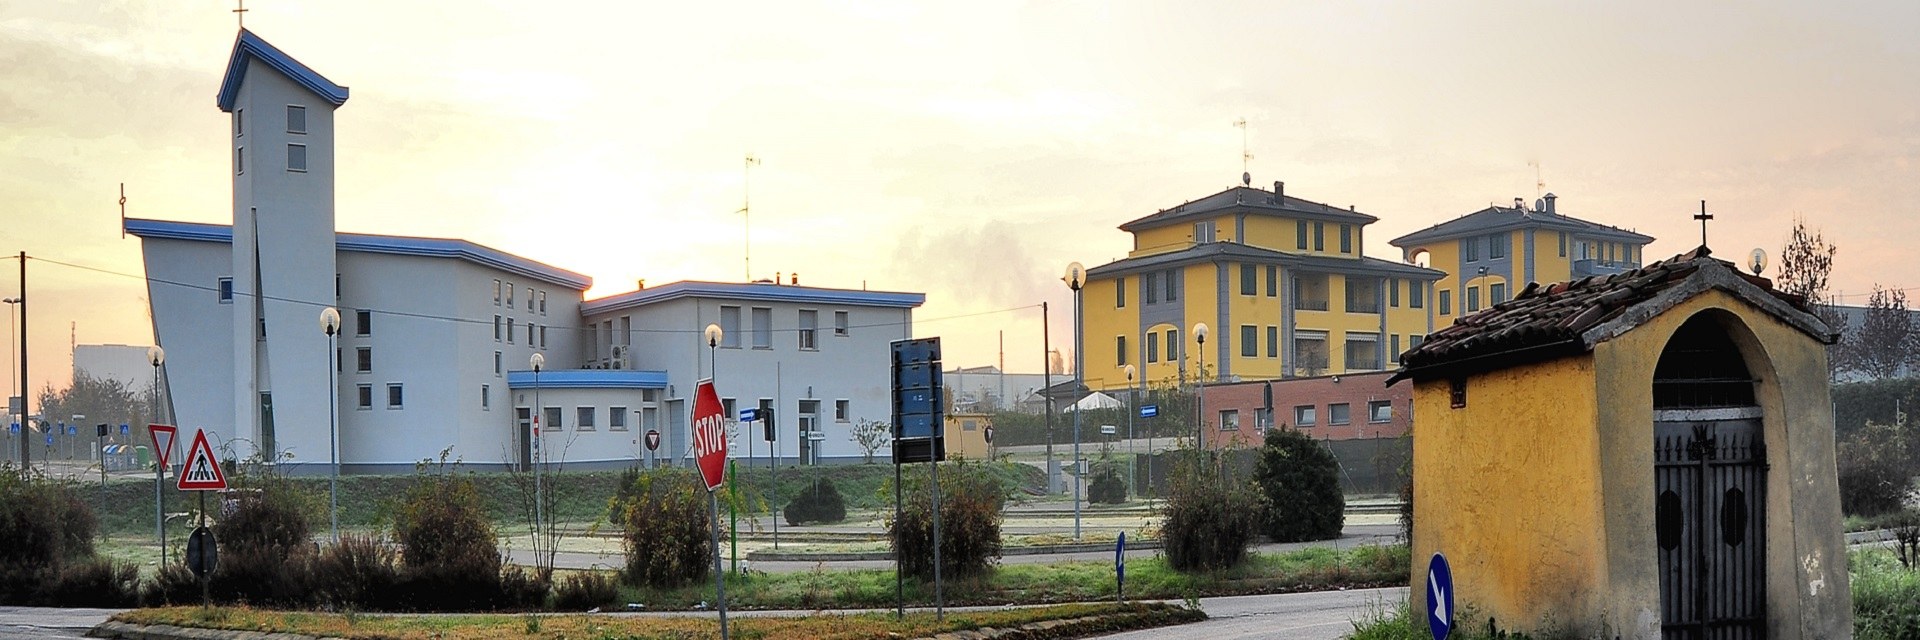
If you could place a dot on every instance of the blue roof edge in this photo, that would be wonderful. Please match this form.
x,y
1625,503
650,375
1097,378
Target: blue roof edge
x,y
369,243
587,379
248,47
752,291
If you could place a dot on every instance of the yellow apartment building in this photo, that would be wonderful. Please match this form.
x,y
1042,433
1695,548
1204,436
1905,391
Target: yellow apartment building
x,y
1280,281
1490,254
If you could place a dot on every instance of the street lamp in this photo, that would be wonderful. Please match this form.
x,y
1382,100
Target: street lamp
x,y
1076,278
330,325
1132,400
25,428
157,356
1200,332
537,361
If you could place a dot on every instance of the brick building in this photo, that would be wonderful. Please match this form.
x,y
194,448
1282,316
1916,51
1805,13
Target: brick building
x,y
1340,407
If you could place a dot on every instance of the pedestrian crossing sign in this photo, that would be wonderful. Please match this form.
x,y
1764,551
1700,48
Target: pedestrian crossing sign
x,y
201,472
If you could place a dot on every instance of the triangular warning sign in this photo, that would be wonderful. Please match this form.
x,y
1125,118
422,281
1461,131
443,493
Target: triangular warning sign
x,y
201,472
162,442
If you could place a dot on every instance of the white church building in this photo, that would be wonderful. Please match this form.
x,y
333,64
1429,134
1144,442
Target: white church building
x,y
436,336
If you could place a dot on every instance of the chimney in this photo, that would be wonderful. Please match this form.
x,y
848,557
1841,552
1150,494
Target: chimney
x,y
1550,198
1519,203
793,278
1279,192
640,284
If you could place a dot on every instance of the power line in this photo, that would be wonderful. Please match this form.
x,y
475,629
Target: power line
x,y
487,321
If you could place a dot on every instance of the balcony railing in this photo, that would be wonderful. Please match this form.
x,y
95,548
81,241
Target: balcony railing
x,y
1584,268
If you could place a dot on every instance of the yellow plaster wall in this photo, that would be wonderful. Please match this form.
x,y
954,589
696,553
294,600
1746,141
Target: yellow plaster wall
x,y
968,443
1807,587
1508,488
1164,372
1445,257
1257,310
1103,323
1276,234
1201,297
1548,265
1162,240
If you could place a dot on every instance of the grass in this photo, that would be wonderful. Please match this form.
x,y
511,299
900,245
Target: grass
x,y
1886,596
1088,618
1147,578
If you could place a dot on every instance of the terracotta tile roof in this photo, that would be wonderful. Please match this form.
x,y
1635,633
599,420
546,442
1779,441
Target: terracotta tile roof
x,y
1546,321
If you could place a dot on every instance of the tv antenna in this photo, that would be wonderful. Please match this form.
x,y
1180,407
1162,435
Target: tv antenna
x,y
1245,155
746,214
1539,183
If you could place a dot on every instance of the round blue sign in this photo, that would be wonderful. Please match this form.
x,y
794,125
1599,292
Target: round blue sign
x,y
1439,590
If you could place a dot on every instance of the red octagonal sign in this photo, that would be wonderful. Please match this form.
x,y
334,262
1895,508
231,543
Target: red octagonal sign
x,y
709,435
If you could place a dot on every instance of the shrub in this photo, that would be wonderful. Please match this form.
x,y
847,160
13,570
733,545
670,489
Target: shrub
x,y
449,556
1107,488
46,526
1206,519
586,590
358,572
667,529
96,582
265,541
817,502
1299,482
173,584
523,589
971,501
1874,470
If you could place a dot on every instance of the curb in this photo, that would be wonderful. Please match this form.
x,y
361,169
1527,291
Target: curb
x,y
126,631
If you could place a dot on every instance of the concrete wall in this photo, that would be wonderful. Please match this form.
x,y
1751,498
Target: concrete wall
x,y
1508,487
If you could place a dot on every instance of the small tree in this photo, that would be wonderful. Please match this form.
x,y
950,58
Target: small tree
x,y
1805,264
820,501
871,435
1207,519
666,522
971,503
1299,481
450,557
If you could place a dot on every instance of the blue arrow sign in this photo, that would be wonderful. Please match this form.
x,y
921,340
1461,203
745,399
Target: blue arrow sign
x,y
749,415
123,429
15,427
1439,597
1120,555
1149,410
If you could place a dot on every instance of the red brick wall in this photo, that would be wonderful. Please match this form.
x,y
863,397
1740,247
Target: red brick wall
x,y
1356,391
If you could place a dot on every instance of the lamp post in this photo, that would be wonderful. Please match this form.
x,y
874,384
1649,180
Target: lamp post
x,y
330,325
15,348
537,361
713,334
1132,401
1076,278
157,356
1200,331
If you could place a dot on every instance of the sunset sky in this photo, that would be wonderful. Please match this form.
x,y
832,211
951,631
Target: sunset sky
x,y
967,150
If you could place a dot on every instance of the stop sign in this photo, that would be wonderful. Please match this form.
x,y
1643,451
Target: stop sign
x,y
709,435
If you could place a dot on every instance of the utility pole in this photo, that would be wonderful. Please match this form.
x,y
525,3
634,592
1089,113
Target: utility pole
x,y
26,424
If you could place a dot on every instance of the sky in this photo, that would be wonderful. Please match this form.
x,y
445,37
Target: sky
x,y
965,150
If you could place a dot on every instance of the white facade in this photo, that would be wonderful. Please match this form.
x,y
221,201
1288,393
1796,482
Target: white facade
x,y
436,335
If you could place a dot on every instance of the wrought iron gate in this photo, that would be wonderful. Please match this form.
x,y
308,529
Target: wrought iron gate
x,y
1710,517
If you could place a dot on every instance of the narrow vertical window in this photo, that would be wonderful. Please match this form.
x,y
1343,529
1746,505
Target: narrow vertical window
x,y
1273,281
1319,237
296,119
1249,341
1346,238
297,158
1300,234
1120,351
226,291
1119,293
496,292
239,122
1273,341
239,160
840,327
363,322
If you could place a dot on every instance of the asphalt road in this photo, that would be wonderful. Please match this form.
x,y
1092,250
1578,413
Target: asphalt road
x,y
1323,615
39,622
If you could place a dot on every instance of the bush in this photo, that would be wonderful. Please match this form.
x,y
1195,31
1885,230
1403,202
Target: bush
x,y
97,582
1299,482
46,525
265,542
1107,488
1875,468
358,572
174,584
817,502
586,590
1207,520
450,558
667,529
522,589
971,501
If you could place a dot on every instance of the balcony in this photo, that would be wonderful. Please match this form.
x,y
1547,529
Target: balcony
x,y
1584,268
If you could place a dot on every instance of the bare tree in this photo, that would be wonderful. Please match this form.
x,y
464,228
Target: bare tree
x,y
1886,339
871,435
1805,263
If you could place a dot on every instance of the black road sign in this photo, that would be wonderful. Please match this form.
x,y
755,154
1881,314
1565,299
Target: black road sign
x,y
919,409
202,553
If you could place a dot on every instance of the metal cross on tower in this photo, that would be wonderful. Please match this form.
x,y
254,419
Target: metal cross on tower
x,y
1703,217
241,12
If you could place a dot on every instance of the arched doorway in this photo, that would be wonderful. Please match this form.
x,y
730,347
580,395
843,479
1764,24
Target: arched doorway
x,y
1709,486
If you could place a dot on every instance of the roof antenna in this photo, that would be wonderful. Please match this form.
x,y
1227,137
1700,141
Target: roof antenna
x,y
1246,156
746,215
123,211
1539,183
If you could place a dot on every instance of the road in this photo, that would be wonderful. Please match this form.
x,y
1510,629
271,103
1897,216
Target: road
x,y
1323,615
39,622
